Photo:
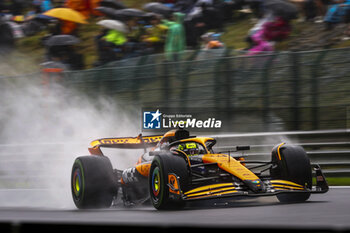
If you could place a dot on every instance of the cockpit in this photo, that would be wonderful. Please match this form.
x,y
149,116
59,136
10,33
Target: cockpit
x,y
190,148
181,140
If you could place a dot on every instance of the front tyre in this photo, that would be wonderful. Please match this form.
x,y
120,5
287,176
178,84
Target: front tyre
x,y
92,182
161,167
292,164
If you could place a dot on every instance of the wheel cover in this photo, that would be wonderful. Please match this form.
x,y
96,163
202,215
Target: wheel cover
x,y
156,182
77,185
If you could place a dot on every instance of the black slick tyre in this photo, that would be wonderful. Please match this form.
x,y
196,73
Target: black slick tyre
x,y
292,164
92,182
163,165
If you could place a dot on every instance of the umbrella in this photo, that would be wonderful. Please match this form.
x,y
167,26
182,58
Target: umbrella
x,y
158,8
282,8
66,14
112,3
205,2
113,24
132,12
109,12
62,40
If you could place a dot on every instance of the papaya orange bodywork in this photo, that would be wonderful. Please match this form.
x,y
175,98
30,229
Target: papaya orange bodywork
x,y
174,183
231,165
95,150
143,168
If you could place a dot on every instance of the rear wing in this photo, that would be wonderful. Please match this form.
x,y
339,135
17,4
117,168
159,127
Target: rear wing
x,y
139,142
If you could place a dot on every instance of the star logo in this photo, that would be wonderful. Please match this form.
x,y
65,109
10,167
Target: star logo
x,y
156,115
151,120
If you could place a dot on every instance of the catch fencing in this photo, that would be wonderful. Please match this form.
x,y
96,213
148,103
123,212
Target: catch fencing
x,y
281,91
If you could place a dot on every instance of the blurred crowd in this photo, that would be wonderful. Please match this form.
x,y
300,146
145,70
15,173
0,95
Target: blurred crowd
x,y
169,26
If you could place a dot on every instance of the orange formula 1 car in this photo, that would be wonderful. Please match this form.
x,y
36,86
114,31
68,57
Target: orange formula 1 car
x,y
182,168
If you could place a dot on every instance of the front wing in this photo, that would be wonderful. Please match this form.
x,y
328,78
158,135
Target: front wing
x,y
232,189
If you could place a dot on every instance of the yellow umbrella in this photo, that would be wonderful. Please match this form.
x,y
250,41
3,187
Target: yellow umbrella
x,y
66,14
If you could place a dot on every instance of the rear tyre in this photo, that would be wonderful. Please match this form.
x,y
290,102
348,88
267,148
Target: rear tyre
x,y
92,182
292,164
161,166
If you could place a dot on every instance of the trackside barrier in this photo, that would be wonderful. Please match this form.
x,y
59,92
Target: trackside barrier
x,y
329,148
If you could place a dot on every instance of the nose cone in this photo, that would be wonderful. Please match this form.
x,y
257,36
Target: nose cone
x,y
257,186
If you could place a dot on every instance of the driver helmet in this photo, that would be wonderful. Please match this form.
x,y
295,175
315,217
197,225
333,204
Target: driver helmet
x,y
190,148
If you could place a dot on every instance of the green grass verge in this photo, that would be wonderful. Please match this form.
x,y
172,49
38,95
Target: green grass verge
x,y
338,181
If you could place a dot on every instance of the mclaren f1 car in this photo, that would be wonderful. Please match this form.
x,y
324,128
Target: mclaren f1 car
x,y
177,168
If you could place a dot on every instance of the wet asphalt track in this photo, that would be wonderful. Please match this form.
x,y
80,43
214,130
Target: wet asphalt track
x,y
330,211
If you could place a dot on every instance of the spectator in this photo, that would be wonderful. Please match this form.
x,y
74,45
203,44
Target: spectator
x,y
104,50
82,6
206,38
259,25
203,17
45,5
336,13
68,27
211,17
135,30
60,27
74,59
175,40
134,46
309,9
266,32
276,30
155,34
321,6
115,37
66,55
110,46
260,44
211,41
